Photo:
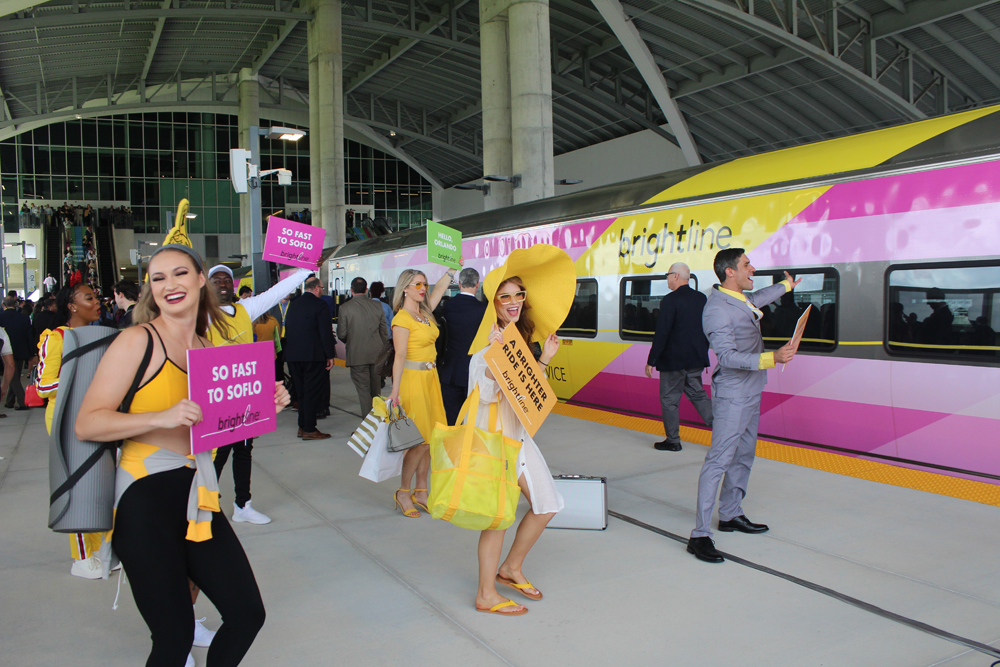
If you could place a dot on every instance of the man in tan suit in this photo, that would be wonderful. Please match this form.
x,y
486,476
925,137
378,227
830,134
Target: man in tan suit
x,y
361,325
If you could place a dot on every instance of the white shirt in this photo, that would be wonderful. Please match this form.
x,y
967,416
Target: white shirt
x,y
49,282
258,304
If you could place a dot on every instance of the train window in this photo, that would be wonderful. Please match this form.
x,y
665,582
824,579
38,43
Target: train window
x,y
819,287
582,319
640,305
943,310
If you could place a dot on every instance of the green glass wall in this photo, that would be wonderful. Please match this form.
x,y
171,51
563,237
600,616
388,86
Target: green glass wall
x,y
152,160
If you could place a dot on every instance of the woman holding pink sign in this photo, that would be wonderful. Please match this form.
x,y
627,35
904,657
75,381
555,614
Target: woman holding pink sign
x,y
415,383
168,530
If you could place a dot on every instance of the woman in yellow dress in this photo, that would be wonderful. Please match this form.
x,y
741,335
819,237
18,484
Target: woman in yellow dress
x,y
415,383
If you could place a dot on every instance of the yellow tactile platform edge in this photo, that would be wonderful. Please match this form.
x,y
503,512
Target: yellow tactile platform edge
x,y
920,480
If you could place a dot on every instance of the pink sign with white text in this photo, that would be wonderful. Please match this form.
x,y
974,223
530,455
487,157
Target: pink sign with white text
x,y
293,243
234,387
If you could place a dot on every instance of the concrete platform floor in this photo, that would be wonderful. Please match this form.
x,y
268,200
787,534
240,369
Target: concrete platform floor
x,y
347,581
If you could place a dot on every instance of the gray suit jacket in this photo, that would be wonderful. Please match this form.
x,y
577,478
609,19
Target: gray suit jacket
x,y
361,325
735,336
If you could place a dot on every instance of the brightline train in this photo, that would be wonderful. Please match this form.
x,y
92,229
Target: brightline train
x,y
895,233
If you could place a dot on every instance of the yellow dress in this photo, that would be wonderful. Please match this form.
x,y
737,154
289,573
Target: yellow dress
x,y
420,391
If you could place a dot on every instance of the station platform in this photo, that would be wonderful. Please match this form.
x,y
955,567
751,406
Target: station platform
x,y
348,581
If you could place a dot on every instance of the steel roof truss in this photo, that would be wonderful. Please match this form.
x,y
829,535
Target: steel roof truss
x,y
971,59
615,14
812,51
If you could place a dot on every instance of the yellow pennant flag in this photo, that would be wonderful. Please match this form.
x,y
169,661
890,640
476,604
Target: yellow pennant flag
x,y
178,233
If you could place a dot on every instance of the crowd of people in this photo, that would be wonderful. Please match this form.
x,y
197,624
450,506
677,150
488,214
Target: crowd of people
x,y
170,534
33,216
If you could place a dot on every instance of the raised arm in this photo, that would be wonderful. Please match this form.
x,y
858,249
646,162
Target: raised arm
x,y
99,419
259,304
440,287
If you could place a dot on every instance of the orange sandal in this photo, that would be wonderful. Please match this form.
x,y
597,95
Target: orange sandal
x,y
411,513
495,609
520,588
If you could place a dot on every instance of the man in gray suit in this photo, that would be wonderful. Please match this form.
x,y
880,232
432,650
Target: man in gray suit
x,y
732,323
361,325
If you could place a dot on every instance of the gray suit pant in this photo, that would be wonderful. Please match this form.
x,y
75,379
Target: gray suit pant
x,y
672,385
734,443
368,385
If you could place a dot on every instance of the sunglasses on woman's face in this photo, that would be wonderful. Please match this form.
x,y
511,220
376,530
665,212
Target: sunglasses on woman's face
x,y
516,297
419,285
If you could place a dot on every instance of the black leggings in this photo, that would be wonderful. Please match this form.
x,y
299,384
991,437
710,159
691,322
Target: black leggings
x,y
149,538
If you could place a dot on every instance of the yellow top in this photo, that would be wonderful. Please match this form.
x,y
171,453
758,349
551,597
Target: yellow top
x,y
241,329
766,358
50,350
420,346
167,386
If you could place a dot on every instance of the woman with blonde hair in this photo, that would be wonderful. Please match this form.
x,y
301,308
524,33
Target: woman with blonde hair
x,y
168,529
532,291
415,383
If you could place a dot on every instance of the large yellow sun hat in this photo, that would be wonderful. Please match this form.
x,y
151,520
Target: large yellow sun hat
x,y
549,276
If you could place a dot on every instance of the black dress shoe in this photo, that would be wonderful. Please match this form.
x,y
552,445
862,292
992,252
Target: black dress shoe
x,y
703,548
743,525
667,446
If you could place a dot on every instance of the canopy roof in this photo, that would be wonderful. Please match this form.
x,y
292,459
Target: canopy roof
x,y
745,76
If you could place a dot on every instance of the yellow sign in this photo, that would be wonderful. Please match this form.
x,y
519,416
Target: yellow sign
x,y
516,372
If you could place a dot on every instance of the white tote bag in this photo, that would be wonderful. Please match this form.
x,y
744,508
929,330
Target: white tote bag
x,y
380,464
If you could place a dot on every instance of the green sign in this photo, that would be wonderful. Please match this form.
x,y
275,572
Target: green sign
x,y
444,245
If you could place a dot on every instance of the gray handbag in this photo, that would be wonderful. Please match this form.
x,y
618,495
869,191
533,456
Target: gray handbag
x,y
403,433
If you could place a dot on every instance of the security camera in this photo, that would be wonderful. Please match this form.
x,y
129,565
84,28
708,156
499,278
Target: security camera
x,y
284,177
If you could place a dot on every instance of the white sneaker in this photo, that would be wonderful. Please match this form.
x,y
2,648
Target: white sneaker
x,y
202,636
249,514
190,661
88,568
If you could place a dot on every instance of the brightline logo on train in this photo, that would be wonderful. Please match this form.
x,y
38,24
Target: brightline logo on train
x,y
647,246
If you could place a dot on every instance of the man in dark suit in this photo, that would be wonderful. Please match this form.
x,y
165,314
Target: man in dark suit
x,y
361,325
462,315
126,294
22,343
680,354
46,318
310,354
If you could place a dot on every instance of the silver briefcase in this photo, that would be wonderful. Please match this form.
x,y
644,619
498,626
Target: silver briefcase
x,y
586,501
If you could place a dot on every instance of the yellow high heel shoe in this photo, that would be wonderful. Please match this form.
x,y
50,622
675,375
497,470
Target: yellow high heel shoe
x,y
413,499
410,513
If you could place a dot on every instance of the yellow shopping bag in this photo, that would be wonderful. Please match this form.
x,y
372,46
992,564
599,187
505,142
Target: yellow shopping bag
x,y
474,472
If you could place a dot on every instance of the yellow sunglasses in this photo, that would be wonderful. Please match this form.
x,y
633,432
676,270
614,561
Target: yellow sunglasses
x,y
516,297
419,285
